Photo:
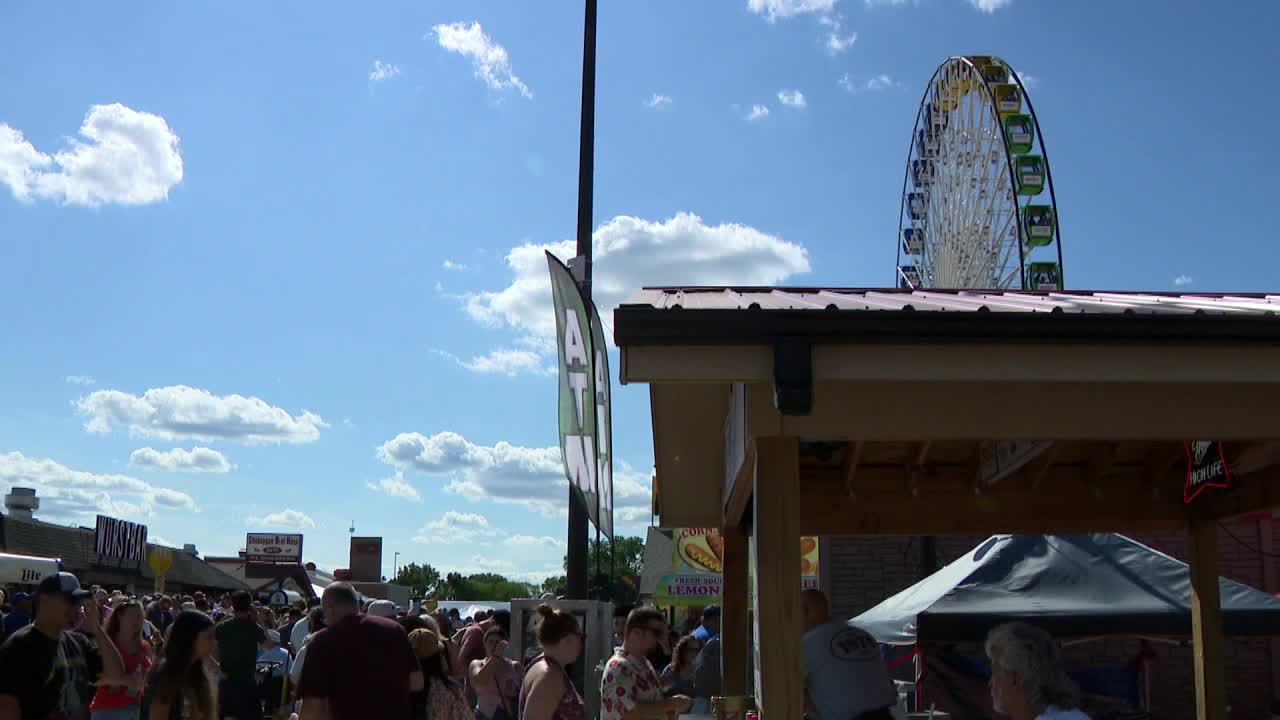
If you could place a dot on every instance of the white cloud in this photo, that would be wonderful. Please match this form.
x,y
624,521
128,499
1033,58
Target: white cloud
x,y
990,6
68,495
631,253
504,473
535,541
395,486
179,412
81,380
656,101
453,528
793,98
758,112
874,3
505,361
507,474
492,65
1031,82
451,265
1181,280
158,540
774,9
196,460
383,71
882,82
846,82
126,157
837,39
286,519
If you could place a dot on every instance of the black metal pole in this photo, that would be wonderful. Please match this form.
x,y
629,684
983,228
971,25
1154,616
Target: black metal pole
x,y
578,531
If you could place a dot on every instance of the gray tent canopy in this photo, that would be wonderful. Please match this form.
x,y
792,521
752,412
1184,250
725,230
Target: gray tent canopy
x,y
1074,586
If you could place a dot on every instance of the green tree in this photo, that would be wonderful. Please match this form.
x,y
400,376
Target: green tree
x,y
554,585
616,578
423,580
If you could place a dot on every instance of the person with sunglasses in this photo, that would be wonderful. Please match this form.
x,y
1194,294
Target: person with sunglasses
x,y
630,688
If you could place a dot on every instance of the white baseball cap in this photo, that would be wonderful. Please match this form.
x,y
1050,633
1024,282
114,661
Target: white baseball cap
x,y
382,608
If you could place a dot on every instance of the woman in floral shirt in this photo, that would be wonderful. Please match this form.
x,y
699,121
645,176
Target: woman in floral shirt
x,y
630,688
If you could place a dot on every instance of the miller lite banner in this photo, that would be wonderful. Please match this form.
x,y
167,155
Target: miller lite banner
x,y
120,539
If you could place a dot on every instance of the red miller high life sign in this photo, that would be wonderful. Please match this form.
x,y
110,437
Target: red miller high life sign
x,y
1206,468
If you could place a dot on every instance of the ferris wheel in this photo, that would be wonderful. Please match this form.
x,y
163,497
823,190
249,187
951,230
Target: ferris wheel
x,y
978,207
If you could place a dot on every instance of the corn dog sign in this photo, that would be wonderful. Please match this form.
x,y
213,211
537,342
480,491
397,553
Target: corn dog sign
x,y
697,563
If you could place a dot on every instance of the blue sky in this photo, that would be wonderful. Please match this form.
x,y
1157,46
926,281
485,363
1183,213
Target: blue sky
x,y
298,246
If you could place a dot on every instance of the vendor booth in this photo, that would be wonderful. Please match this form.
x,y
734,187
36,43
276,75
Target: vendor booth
x,y
782,413
1078,587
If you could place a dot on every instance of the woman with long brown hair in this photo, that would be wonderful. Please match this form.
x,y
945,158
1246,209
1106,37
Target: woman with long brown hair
x,y
120,702
677,678
181,687
441,697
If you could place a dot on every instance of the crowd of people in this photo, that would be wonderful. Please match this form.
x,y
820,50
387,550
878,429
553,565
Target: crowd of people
x,y
72,653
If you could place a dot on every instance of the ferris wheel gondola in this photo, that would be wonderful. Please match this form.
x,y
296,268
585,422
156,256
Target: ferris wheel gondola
x,y
978,206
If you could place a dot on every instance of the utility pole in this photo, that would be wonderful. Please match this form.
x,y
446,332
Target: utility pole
x,y
576,561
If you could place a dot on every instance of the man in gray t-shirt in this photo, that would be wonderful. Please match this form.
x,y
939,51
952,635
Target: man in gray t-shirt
x,y
845,677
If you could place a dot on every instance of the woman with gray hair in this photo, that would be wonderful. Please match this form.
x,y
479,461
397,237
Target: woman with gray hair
x,y
1028,681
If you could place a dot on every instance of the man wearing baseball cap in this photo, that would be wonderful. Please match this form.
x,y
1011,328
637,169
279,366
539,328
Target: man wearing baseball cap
x,y
48,669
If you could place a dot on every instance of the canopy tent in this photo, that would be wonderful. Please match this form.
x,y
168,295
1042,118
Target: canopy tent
x,y
1070,585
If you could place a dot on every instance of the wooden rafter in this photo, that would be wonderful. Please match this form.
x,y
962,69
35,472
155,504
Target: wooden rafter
x,y
1037,468
851,468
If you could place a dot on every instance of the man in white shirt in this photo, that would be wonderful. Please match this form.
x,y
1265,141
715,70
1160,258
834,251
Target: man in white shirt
x,y
845,677
1028,681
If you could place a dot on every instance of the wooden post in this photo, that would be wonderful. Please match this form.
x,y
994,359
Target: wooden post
x,y
780,688
1206,620
1270,583
735,627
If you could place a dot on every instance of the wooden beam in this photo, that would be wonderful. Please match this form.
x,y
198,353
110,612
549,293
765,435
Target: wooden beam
x,y
889,411
1260,456
688,449
970,514
1124,478
1206,621
920,453
851,468
743,485
735,626
960,362
1037,468
780,686
1249,494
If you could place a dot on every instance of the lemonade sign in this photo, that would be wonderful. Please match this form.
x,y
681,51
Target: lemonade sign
x,y
697,563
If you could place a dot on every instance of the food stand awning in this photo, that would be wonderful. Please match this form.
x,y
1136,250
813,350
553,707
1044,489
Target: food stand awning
x,y
1074,586
781,412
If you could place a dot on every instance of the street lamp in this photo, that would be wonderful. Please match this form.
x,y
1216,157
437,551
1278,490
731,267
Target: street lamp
x,y
395,567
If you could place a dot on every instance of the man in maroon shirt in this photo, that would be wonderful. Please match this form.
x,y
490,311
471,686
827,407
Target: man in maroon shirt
x,y
359,667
